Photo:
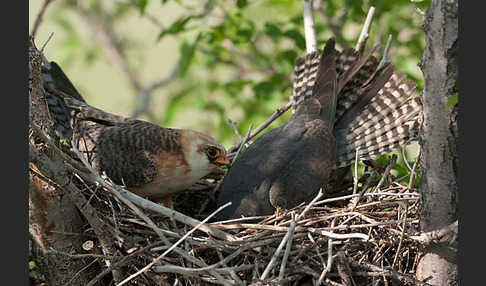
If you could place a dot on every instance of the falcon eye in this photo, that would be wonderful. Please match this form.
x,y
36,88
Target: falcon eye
x,y
212,152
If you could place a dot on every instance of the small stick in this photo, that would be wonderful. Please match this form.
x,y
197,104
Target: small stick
x,y
230,270
329,257
243,142
412,174
233,124
275,255
310,34
289,246
173,246
149,205
115,189
402,234
146,93
384,59
365,187
363,37
400,276
45,43
427,237
265,123
405,159
392,163
317,197
355,177
38,19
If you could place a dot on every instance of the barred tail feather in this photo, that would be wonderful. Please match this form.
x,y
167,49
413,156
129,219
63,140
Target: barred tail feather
x,y
371,143
348,158
378,117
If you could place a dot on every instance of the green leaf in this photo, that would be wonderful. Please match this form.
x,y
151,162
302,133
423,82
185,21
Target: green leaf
x,y
297,37
187,54
241,3
453,100
141,4
177,27
272,30
288,56
264,88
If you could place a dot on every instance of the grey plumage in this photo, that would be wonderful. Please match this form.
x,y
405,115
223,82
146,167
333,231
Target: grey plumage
x,y
286,165
358,106
376,111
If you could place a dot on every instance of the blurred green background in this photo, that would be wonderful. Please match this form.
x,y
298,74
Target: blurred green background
x,y
234,59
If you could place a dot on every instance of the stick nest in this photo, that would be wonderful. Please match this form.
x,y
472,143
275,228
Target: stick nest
x,y
339,239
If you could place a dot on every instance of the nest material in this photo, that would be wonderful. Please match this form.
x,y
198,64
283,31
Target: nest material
x,y
343,239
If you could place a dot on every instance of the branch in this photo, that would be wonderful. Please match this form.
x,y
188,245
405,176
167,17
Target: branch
x,y
173,246
264,125
427,237
360,45
146,93
310,34
384,59
38,19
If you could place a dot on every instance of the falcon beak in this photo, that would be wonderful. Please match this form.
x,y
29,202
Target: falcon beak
x,y
221,161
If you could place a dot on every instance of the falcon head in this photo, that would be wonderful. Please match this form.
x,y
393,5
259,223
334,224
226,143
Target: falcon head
x,y
204,155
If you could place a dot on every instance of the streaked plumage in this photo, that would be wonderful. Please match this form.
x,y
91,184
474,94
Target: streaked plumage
x,y
367,109
150,160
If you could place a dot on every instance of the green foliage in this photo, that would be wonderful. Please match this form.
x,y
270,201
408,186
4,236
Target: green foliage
x,y
236,58
453,100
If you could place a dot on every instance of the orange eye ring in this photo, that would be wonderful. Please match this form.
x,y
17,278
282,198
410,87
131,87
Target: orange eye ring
x,y
213,152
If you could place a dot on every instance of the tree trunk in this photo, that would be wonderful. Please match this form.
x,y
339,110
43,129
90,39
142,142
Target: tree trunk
x,y
438,207
54,221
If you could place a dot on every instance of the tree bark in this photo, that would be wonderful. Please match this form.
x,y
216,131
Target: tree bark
x,y
53,218
439,184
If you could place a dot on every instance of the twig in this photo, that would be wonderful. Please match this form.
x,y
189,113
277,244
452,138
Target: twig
x,y
230,270
273,260
116,190
427,237
288,247
173,246
78,256
45,44
384,59
264,124
38,19
395,274
363,190
412,174
146,93
243,142
79,272
316,198
149,205
329,258
363,37
390,165
355,177
58,173
320,231
233,125
401,236
310,34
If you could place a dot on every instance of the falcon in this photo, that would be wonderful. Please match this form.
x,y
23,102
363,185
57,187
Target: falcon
x,y
342,102
149,160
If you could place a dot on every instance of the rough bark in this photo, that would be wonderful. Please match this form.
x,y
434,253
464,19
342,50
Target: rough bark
x,y
439,184
53,218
